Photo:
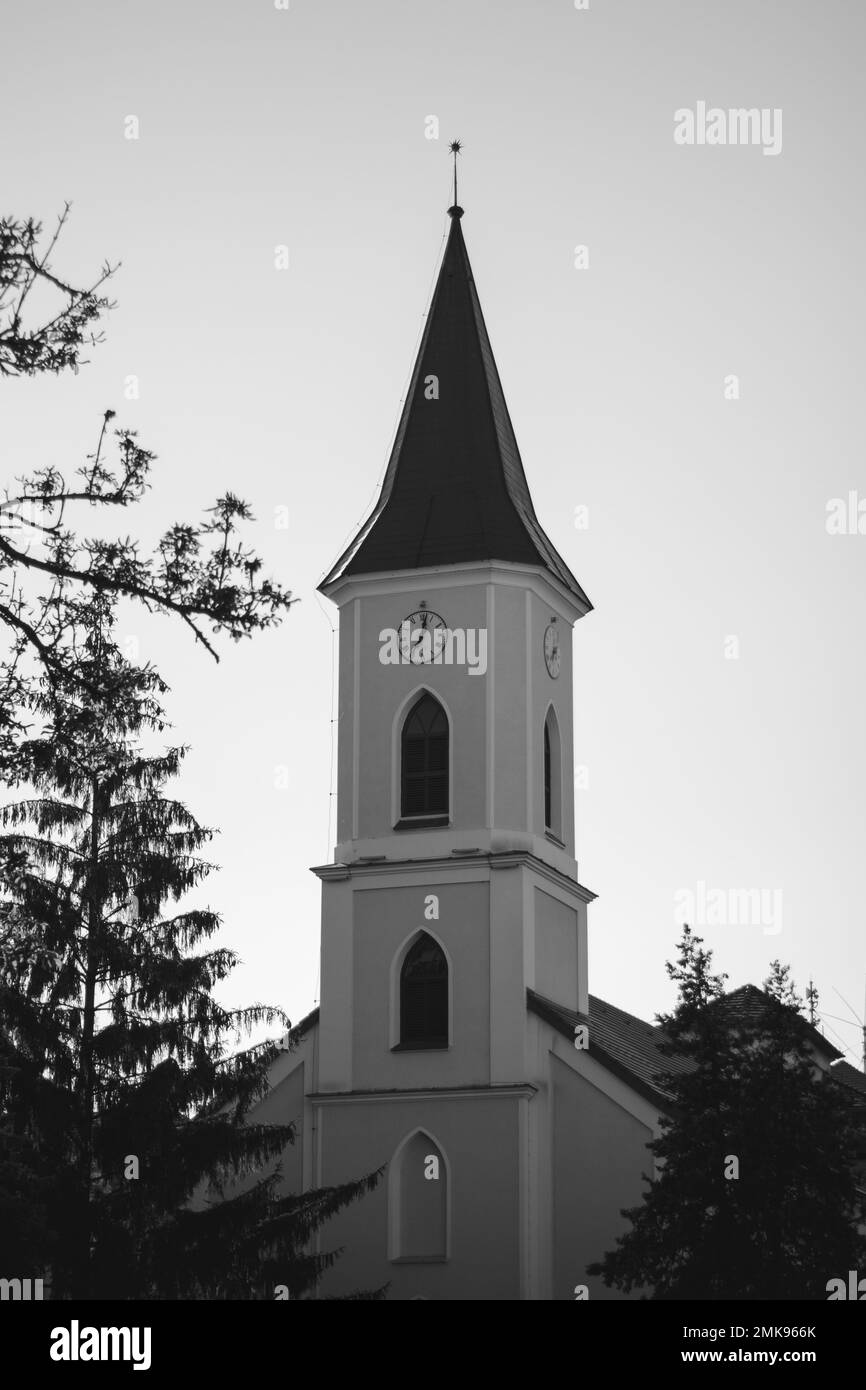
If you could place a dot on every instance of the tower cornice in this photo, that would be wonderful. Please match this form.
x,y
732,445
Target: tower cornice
x,y
347,587
510,859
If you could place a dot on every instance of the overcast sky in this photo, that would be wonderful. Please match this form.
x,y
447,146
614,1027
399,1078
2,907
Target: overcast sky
x,y
707,516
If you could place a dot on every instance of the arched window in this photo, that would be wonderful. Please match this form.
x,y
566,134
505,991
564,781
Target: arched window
x,y
424,995
552,776
547,774
418,1200
424,754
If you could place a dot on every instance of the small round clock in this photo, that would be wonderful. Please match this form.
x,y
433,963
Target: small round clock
x,y
552,653
423,620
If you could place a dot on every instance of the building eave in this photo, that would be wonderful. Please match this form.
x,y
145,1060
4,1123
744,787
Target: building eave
x,y
506,859
343,588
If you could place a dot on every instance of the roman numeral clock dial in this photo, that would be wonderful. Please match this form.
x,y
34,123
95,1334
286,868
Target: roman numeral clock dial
x,y
552,653
421,634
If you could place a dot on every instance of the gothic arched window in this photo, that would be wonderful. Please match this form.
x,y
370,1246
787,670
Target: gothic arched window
x,y
424,995
418,1200
424,760
552,776
547,776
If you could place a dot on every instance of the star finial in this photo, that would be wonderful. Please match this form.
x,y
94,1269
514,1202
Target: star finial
x,y
455,147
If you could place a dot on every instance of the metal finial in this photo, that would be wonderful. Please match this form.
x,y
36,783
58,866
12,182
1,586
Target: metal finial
x,y
455,147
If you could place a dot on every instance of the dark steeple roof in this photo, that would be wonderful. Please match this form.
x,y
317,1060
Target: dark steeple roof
x,y
454,490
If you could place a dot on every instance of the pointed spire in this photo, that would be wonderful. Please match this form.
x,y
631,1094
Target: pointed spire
x,y
454,491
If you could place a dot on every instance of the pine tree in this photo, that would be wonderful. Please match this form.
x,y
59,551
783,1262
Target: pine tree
x,y
754,1194
118,1084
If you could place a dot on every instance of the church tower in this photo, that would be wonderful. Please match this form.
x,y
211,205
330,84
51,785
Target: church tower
x,y
453,898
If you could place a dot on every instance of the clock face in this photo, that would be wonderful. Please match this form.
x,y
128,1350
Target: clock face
x,y
423,649
552,654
